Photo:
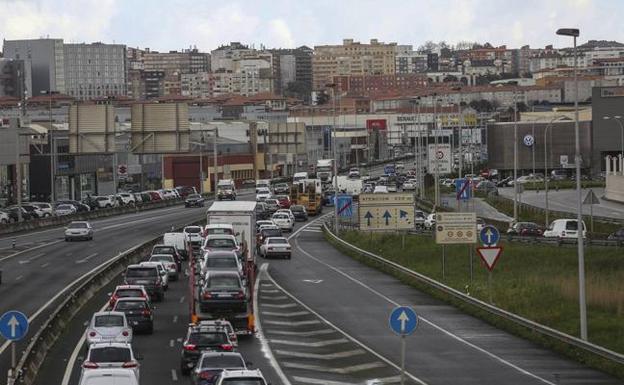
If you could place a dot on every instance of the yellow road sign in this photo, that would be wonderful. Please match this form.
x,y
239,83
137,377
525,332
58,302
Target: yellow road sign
x,y
386,211
452,228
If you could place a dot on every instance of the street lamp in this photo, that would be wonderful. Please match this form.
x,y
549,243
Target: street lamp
x,y
335,173
574,33
51,144
618,118
546,165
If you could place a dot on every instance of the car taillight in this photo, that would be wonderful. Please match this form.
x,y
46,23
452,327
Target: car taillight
x,y
146,312
270,248
240,295
173,265
207,375
125,333
227,347
92,334
206,295
130,364
190,347
90,365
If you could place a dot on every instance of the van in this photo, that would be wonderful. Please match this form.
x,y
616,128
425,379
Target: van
x,y
177,240
226,189
300,176
565,229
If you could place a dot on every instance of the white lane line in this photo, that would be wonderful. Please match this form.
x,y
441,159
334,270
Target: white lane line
x,y
27,250
174,375
290,323
317,344
171,342
175,319
182,299
284,306
270,291
19,277
46,264
312,231
274,297
74,356
24,261
315,356
326,369
292,314
420,317
311,333
362,345
317,381
86,259
267,285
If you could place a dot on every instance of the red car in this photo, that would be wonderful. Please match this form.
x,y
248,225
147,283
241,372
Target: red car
x,y
155,195
284,201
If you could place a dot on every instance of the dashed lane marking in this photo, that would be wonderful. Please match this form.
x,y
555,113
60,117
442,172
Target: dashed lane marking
x,y
284,306
24,261
326,369
175,319
274,297
171,342
311,333
86,259
317,381
318,344
291,314
174,375
315,356
27,250
290,323
19,278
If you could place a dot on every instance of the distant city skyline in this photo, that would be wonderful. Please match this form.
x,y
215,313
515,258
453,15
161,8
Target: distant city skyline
x,y
177,24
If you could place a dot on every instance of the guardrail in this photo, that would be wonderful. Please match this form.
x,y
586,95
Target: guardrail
x,y
532,326
46,336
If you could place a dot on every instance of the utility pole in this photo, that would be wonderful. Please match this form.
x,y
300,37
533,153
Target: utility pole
x,y
435,155
515,171
215,161
18,172
460,145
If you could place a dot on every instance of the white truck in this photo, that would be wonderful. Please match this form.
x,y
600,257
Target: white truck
x,y
325,169
349,185
242,216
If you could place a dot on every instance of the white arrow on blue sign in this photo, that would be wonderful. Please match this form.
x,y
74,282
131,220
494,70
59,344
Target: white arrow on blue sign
x,y
489,235
403,320
13,325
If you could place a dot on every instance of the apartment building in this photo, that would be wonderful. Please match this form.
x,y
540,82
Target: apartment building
x,y
15,78
362,85
292,69
408,61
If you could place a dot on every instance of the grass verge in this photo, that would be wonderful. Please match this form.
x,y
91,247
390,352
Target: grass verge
x,y
535,282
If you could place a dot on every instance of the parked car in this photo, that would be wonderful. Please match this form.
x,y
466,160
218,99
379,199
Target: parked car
x,y
111,355
381,190
617,235
299,212
194,200
185,191
528,229
139,313
168,194
419,219
504,182
79,230
4,218
34,211
275,247
64,209
155,196
13,212
80,207
104,202
147,276
487,187
108,326
109,376
126,198
564,229
45,207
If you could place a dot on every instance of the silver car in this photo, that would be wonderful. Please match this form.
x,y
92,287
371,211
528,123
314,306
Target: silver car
x,y
109,326
111,355
79,230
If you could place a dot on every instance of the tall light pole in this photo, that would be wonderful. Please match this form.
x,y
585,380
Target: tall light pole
x,y
333,142
618,119
51,144
515,160
436,178
574,33
546,166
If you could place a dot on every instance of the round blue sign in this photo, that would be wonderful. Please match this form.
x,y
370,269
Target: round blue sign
x,y
13,325
489,235
403,320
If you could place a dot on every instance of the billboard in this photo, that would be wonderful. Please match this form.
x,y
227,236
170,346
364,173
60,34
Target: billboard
x,y
160,128
91,129
376,124
440,157
386,212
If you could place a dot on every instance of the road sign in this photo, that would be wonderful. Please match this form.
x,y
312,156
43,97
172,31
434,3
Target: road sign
x,y
452,228
528,140
489,255
403,320
464,191
345,205
563,160
389,169
441,155
13,325
393,211
591,198
489,235
122,170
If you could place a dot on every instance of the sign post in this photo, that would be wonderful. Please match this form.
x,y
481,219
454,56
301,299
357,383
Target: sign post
x,y
591,199
403,321
13,327
490,253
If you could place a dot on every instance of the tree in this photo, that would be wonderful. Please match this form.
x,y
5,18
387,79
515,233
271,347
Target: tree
x,y
429,46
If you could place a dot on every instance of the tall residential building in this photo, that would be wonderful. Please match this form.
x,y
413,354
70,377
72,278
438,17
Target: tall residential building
x,y
408,61
15,78
196,85
351,58
222,58
95,70
44,57
238,69
172,62
294,77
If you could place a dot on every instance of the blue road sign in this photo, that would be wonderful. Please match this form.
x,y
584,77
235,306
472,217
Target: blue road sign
x,y
389,169
489,235
403,320
345,206
462,187
13,325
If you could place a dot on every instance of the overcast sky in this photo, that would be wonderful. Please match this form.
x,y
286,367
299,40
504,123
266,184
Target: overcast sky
x,y
177,24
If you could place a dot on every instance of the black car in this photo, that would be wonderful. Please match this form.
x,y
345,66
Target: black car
x,y
194,200
503,182
201,338
223,292
13,213
617,236
147,276
262,211
299,212
528,229
281,188
138,311
185,191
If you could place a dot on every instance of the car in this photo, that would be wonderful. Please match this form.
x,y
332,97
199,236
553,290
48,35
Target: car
x,y
80,207
487,187
194,200
222,242
170,250
262,193
283,201
430,221
34,211
149,277
529,229
64,209
108,376
14,211
185,191
221,322
299,212
221,261
127,198
275,247
201,338
287,211
226,189
504,182
111,355
410,185
78,230
527,179
564,229
108,326
241,377
103,202
219,229
139,313
177,240
4,218
194,236
355,174
168,194
281,188
381,190
162,271
265,232
264,222
155,195
391,188
618,235
283,221
262,211
211,364
45,208
560,174
123,291
223,291
170,264
419,219
272,205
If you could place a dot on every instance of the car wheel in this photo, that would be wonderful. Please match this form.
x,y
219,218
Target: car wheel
x,y
108,206
288,256
66,239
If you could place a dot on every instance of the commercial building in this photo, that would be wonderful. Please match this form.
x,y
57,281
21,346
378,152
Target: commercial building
x,y
408,61
607,133
351,58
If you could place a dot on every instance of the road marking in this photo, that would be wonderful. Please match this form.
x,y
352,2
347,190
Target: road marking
x,y
303,334
271,291
267,285
312,231
318,344
19,277
290,323
344,370
182,299
375,381
420,317
293,314
46,264
24,261
174,375
30,249
315,356
284,306
171,342
86,259
175,319
274,297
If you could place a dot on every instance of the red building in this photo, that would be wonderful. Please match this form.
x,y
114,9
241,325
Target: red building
x,y
362,85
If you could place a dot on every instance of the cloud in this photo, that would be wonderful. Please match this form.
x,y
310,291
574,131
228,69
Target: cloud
x,y
279,32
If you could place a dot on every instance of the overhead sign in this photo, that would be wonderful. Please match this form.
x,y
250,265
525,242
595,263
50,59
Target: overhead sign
x,y
13,325
453,228
591,198
394,211
440,157
489,255
403,320
344,205
489,235
464,191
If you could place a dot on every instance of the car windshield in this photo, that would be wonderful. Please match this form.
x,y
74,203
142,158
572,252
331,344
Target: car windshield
x,y
223,231
222,362
122,293
77,225
221,262
194,196
221,243
110,354
193,230
271,232
64,207
296,208
277,241
161,258
262,190
243,381
142,272
223,281
108,320
130,305
208,338
163,249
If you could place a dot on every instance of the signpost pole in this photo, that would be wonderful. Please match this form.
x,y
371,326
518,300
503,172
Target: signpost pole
x,y
403,359
443,262
13,364
490,285
470,261
591,216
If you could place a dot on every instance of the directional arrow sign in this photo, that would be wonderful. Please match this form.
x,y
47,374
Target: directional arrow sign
x,y
368,217
402,214
489,255
13,325
403,320
489,235
387,217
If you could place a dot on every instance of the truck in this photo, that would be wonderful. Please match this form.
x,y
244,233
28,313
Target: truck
x,y
241,215
349,186
325,170
308,193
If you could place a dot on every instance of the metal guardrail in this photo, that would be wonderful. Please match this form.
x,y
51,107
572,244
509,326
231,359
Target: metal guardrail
x,y
493,310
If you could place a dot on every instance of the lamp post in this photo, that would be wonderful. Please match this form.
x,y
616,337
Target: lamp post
x,y
515,158
333,142
51,144
574,33
618,119
546,167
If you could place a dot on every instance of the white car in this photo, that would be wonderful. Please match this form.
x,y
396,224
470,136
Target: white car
x,y
223,242
240,377
380,190
283,221
263,222
275,247
64,209
287,211
104,202
167,194
409,185
170,263
45,208
4,218
193,235
108,326
127,198
262,193
109,376
111,355
565,229
162,271
430,221
78,230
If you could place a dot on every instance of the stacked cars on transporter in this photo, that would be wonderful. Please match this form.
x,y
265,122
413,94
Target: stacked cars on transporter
x,y
223,294
307,193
